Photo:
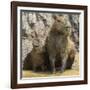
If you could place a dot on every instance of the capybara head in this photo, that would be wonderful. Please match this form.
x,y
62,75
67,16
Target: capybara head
x,y
60,25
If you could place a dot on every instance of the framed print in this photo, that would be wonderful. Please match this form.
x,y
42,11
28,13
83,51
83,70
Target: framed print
x,y
48,44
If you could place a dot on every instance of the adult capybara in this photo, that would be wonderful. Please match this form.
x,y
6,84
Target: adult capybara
x,y
59,44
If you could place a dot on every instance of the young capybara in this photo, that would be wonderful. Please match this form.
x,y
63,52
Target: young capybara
x,y
37,60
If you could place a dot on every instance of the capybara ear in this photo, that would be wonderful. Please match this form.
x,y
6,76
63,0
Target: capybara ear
x,y
55,16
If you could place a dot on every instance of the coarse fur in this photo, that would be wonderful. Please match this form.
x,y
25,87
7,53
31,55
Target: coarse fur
x,y
37,60
59,44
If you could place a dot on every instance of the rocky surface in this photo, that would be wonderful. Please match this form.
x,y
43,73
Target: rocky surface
x,y
36,26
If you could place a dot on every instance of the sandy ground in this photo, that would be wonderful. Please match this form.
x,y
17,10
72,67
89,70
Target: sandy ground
x,y
47,74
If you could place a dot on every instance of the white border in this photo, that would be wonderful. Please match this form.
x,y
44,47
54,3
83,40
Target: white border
x,y
56,78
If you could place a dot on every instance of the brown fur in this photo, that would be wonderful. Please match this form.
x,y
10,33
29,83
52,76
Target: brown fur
x,y
37,59
70,60
59,44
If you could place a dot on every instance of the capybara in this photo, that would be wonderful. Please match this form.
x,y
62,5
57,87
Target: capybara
x,y
58,43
